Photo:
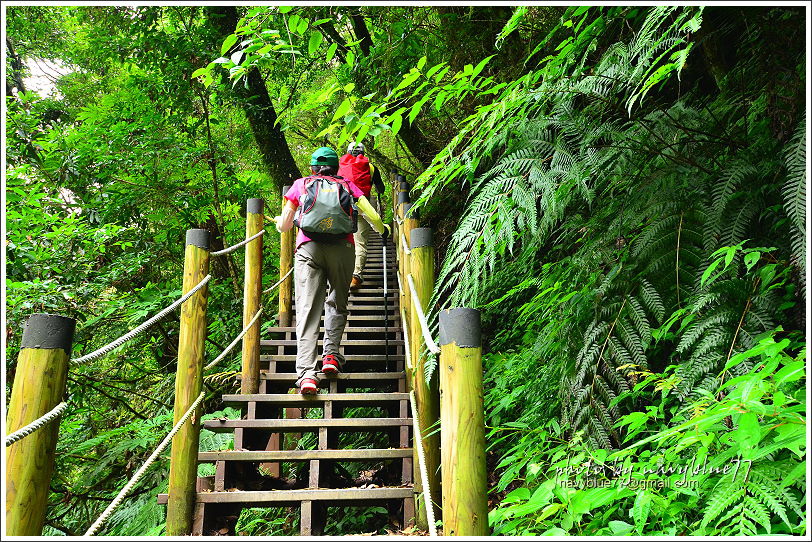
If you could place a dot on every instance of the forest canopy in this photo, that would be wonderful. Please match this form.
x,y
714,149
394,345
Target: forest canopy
x,y
620,190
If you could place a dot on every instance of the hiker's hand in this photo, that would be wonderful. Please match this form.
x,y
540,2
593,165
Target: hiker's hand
x,y
386,233
278,220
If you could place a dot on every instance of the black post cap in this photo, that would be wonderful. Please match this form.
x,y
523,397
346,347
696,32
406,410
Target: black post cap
x,y
255,205
403,197
462,326
421,237
48,332
410,211
198,238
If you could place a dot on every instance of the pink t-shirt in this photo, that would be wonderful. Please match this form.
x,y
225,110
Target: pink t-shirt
x,y
295,193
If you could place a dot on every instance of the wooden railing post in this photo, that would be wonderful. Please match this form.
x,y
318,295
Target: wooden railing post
x,y
188,384
252,296
462,422
286,246
39,385
427,394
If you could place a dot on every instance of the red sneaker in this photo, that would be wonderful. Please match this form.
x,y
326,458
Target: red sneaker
x,y
309,387
329,365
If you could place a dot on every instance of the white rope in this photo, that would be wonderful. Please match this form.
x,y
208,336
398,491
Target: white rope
x,y
137,476
421,459
406,339
36,424
238,245
140,329
235,341
280,281
430,344
403,243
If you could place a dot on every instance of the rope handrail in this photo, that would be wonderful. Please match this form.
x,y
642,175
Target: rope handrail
x,y
228,349
140,329
406,338
280,281
430,344
405,245
137,476
43,420
421,459
238,245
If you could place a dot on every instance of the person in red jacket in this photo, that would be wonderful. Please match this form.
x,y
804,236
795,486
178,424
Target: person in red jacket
x,y
356,167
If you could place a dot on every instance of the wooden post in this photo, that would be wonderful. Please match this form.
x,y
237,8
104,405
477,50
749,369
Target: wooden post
x,y
286,246
421,265
252,296
39,385
188,383
403,259
465,499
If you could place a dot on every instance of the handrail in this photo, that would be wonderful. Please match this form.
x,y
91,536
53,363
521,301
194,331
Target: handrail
x,y
430,344
405,245
137,476
238,245
228,349
127,336
280,281
43,420
421,459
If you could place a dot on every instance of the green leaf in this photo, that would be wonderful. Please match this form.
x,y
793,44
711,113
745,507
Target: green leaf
x,y
748,433
200,71
331,51
640,510
228,43
285,9
342,109
421,63
396,120
709,270
314,43
478,67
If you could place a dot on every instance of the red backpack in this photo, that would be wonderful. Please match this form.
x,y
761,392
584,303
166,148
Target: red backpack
x,y
356,169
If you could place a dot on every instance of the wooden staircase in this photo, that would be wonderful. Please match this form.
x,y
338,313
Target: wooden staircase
x,y
359,453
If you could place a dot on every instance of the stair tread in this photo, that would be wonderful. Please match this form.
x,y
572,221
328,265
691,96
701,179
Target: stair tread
x,y
292,377
293,495
345,342
304,455
299,424
297,398
347,357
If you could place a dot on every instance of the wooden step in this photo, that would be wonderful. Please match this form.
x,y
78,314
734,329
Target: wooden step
x,y
324,381
347,357
391,307
305,455
345,342
359,329
299,400
292,497
307,424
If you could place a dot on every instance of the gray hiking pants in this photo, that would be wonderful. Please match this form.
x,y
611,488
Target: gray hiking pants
x,y
320,267
361,239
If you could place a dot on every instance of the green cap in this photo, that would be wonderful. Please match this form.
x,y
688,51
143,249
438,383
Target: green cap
x,y
324,156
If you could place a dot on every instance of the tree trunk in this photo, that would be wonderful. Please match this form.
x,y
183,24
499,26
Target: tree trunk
x,y
259,110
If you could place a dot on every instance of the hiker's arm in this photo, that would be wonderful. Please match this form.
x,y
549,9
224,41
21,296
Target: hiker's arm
x,y
284,222
377,181
365,207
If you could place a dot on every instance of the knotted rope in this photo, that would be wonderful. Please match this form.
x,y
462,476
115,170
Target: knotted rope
x,y
238,245
137,476
280,281
140,329
235,341
36,424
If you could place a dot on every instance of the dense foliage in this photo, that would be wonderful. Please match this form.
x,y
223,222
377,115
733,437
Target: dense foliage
x,y
620,190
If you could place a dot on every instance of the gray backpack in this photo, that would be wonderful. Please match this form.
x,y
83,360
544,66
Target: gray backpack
x,y
326,211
